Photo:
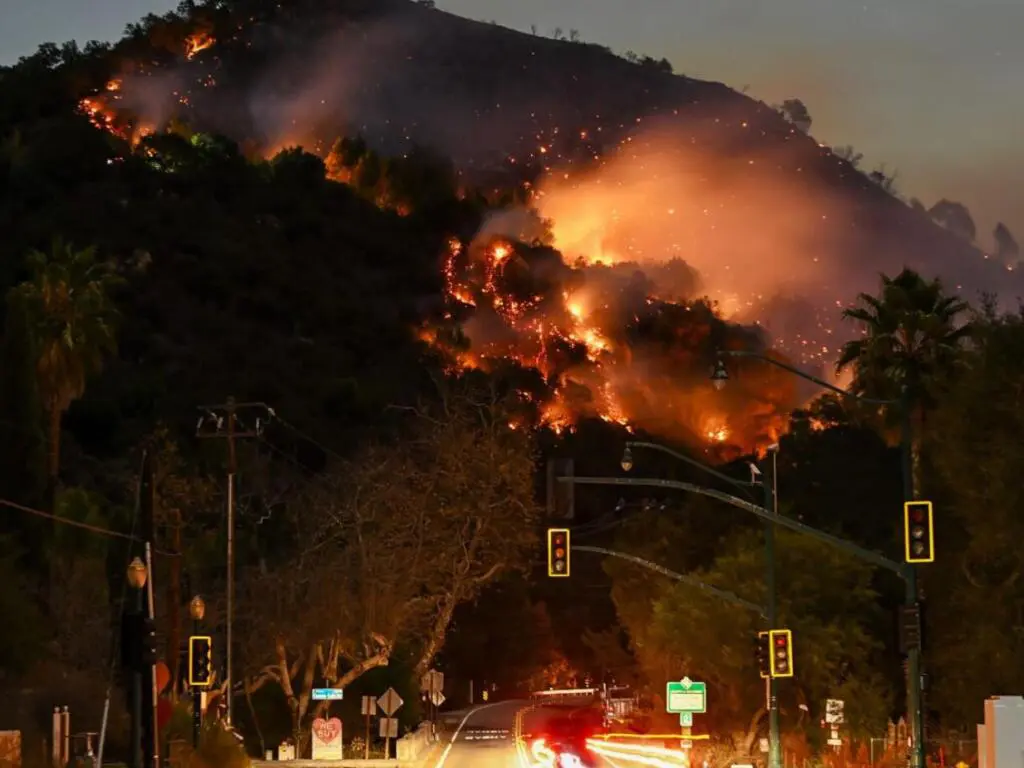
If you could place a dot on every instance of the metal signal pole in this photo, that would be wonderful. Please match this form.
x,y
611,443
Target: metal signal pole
x,y
770,483
224,421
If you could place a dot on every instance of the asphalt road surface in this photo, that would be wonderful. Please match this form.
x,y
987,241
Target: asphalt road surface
x,y
484,737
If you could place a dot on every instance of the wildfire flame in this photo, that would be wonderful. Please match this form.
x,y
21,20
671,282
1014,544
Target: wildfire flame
x,y
197,42
577,327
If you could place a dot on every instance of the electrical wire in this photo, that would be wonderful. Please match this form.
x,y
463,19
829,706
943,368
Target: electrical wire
x,y
329,451
84,526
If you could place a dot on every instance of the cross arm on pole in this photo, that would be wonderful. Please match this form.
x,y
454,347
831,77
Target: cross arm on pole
x,y
846,546
729,597
226,420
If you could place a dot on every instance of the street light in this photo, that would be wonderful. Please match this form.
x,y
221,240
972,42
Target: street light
x,y
765,478
627,459
197,608
137,573
719,375
137,576
915,711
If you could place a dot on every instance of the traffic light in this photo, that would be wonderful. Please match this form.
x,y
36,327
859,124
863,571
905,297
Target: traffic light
x,y
200,661
558,552
763,653
781,657
919,531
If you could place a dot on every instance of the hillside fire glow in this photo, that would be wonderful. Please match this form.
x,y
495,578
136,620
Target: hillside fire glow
x,y
639,248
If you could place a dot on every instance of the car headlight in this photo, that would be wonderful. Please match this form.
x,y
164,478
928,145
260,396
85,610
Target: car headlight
x,y
569,760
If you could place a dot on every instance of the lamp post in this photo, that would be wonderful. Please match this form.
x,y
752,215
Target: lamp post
x,y
137,576
196,609
771,613
720,377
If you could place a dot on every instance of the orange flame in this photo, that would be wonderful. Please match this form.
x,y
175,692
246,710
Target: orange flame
x,y
197,42
511,309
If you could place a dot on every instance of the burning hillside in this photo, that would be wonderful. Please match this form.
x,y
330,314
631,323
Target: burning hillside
x,y
603,345
657,191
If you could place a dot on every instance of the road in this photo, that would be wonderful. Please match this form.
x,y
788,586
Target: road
x,y
485,737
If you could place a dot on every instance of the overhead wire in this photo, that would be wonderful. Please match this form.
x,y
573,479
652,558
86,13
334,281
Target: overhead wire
x,y
84,526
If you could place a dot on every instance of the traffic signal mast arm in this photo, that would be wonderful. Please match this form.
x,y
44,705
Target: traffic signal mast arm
x,y
899,569
694,582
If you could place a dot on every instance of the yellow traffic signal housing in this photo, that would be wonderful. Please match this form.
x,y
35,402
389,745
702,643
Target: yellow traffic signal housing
x,y
919,532
763,649
200,661
558,553
781,659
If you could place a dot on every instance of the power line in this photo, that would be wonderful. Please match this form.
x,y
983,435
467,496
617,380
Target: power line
x,y
77,524
329,451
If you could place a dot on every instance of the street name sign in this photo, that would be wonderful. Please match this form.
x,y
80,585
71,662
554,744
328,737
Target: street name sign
x,y
686,696
328,694
390,702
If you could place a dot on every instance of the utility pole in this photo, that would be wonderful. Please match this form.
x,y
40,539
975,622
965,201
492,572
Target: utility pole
x,y
768,481
228,421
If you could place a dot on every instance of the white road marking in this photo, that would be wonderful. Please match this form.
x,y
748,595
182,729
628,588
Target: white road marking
x,y
447,749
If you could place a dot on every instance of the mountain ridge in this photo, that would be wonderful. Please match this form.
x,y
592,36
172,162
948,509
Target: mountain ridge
x,y
420,73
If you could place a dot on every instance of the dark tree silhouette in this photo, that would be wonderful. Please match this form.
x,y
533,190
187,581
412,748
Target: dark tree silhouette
x,y
797,113
1007,247
955,217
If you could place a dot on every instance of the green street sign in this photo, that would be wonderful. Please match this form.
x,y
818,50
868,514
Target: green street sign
x,y
686,696
686,719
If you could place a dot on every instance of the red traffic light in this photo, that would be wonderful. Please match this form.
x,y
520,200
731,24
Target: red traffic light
x,y
780,640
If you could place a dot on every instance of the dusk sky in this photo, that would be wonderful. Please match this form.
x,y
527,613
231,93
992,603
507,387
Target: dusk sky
x,y
932,88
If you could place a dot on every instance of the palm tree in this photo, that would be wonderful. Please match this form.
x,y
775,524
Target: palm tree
x,y
73,320
911,342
